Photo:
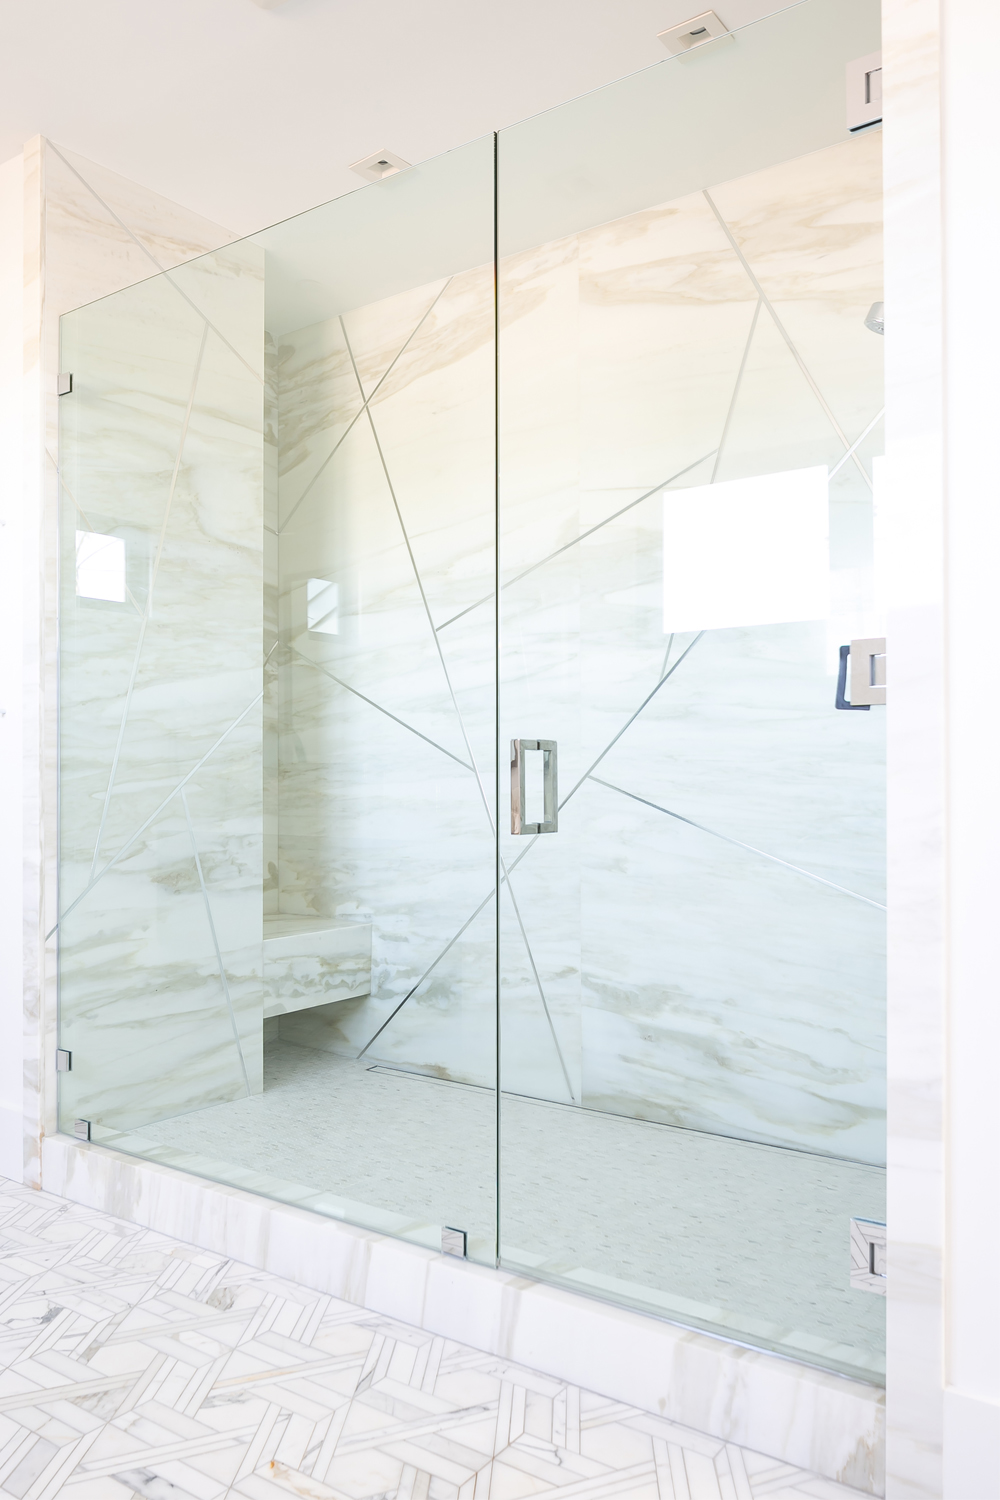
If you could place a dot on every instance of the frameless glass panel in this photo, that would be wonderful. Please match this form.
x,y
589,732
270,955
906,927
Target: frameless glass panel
x,y
692,963
357,826
160,699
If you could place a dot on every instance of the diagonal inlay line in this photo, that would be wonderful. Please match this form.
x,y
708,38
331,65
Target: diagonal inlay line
x,y
157,811
215,943
461,723
428,972
365,400
372,704
419,581
648,699
505,879
527,850
149,603
162,270
876,419
666,656
827,409
581,538
736,390
751,848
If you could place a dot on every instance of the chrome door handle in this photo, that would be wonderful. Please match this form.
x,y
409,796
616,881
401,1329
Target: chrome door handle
x,y
550,786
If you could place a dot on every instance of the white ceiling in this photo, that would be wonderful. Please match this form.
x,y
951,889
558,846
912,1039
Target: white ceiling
x,y
249,114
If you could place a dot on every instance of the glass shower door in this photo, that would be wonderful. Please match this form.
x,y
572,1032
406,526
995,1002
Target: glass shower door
x,y
278,716
692,935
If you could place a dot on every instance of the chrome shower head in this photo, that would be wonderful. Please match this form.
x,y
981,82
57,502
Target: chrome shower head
x,y
876,317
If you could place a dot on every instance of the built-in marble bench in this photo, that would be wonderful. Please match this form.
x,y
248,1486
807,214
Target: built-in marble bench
x,y
314,961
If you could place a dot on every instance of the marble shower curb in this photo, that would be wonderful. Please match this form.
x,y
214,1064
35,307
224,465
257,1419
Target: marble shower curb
x,y
827,1423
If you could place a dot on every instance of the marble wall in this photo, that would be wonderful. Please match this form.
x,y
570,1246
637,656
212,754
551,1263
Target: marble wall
x,y
385,759
161,988
87,232
11,671
724,973
696,977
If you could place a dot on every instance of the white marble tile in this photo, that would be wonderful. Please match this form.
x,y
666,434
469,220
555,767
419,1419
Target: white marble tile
x,y
167,453
39,769
811,231
117,231
314,962
353,839
88,232
826,1425
638,334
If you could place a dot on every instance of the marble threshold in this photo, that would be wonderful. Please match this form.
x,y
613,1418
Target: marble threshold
x,y
825,1423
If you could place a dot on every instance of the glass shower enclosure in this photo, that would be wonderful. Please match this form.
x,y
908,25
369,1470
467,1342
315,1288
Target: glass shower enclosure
x,y
459,835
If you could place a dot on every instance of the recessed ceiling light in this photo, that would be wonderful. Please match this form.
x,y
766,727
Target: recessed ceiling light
x,y
380,164
694,33
269,4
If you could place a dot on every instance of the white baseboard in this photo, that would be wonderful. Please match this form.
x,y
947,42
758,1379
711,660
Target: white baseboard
x,y
823,1422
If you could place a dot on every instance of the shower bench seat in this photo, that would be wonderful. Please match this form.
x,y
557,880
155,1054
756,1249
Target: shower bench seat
x,y
314,961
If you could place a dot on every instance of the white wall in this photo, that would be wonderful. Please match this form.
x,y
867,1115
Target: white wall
x,y
337,84
942,124
11,659
971,136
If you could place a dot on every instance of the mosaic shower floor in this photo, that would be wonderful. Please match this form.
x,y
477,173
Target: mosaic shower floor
x,y
679,1222
132,1365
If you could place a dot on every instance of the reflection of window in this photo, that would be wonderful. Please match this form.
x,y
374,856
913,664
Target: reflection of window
x,y
747,552
322,605
100,567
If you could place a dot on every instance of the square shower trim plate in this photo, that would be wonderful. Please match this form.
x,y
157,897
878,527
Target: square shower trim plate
x,y
829,1424
868,1256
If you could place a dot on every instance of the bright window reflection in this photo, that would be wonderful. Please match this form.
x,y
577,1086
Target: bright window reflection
x,y
322,606
100,567
747,552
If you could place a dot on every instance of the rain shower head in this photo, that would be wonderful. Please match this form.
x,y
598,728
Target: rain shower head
x,y
876,317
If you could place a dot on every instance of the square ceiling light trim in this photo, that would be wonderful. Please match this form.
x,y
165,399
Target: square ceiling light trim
x,y
693,33
380,164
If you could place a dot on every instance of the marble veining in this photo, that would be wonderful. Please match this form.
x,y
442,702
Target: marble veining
x,y
161,985
134,1364
620,356
309,962
88,233
700,949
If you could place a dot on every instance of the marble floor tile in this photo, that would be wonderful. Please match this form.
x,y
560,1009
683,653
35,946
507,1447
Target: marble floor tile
x,y
133,1365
